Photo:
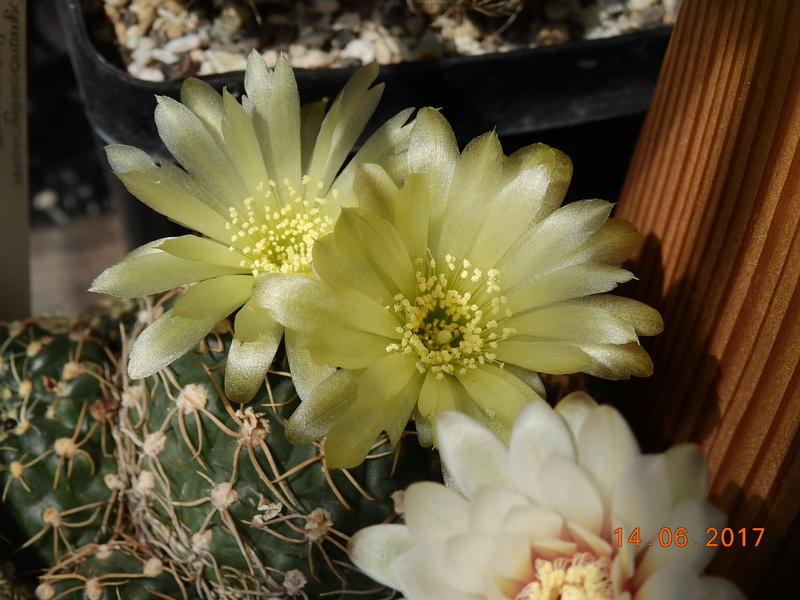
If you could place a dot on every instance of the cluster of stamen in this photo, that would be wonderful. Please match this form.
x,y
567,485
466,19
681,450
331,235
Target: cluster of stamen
x,y
582,577
279,239
444,326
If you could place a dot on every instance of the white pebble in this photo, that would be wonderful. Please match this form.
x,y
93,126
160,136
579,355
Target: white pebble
x,y
183,44
359,49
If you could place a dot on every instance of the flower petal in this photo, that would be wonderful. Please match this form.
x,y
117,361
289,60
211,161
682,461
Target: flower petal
x,y
477,176
618,361
386,147
344,122
306,372
198,152
565,284
148,270
387,393
643,497
169,191
434,513
345,347
275,110
693,517
688,472
567,489
573,323
545,247
251,353
374,549
673,582
499,394
472,454
537,432
432,150
218,294
200,249
322,406
489,506
419,572
553,357
575,408
606,447
171,336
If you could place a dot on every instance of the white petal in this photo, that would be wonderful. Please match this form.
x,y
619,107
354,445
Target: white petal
x,y
535,522
673,582
692,519
688,472
434,513
720,589
537,432
574,408
374,550
643,497
419,573
606,447
472,454
489,505
568,490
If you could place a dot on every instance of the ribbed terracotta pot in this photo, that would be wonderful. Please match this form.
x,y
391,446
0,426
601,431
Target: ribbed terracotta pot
x,y
715,186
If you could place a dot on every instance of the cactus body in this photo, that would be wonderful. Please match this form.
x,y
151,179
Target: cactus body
x,y
235,507
162,488
57,406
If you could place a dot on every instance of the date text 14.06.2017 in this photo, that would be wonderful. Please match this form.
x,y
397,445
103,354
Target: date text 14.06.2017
x,y
679,536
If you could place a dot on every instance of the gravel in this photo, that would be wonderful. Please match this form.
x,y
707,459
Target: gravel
x,y
159,40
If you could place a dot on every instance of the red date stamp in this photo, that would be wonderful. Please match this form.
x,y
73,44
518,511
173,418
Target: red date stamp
x,y
679,536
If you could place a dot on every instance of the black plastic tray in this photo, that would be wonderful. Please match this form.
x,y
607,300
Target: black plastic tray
x,y
516,93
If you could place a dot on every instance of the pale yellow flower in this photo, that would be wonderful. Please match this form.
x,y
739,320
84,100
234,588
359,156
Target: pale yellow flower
x,y
261,181
570,509
455,290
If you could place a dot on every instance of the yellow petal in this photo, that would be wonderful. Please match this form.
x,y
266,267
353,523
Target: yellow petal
x,y
168,190
148,270
204,250
557,358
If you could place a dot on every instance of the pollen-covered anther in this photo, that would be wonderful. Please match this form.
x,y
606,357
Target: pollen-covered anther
x,y
445,324
581,576
277,231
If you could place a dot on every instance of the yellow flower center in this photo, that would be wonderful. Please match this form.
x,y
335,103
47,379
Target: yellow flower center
x,y
452,322
580,577
277,232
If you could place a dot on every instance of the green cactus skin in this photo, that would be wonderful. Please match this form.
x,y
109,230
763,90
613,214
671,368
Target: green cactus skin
x,y
118,568
57,405
162,488
235,508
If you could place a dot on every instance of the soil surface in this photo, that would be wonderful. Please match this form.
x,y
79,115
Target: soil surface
x,y
160,40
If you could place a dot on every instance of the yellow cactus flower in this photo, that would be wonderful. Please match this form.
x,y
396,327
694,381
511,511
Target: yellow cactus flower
x,y
261,181
455,290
